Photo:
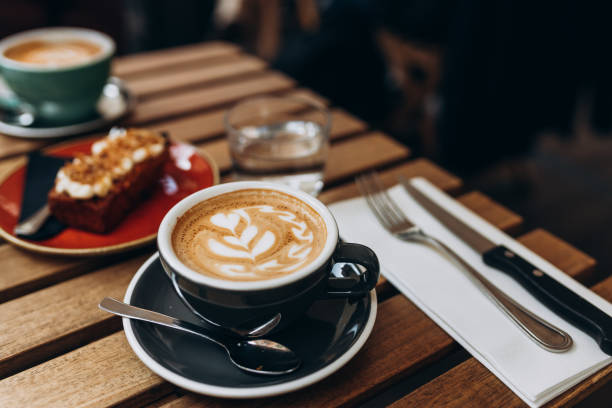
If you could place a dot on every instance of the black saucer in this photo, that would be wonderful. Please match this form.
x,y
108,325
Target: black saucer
x,y
325,338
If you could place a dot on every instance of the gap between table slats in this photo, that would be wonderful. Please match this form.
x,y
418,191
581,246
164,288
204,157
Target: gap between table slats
x,y
90,315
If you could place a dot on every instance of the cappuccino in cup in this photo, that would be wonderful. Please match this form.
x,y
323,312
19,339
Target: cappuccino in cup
x,y
57,74
239,250
249,235
53,53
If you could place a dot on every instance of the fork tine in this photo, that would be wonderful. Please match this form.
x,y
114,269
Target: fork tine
x,y
385,201
379,200
380,204
399,214
366,191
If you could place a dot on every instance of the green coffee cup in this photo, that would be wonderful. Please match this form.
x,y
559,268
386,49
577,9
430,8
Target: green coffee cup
x,y
61,94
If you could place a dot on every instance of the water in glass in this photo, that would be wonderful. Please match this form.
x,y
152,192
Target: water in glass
x,y
291,152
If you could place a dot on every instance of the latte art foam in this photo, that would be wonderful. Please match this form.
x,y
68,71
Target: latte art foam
x,y
246,235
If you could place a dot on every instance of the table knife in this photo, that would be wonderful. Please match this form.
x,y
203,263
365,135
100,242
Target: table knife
x,y
561,300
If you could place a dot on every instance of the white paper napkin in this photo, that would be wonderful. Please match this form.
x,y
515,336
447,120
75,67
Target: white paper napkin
x,y
450,297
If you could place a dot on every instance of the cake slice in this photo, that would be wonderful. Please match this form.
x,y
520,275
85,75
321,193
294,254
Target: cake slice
x,y
94,192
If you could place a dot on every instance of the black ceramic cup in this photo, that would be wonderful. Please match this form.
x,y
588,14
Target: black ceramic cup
x,y
230,303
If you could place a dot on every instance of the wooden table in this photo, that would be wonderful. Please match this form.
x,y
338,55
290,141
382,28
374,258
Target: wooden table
x,y
58,349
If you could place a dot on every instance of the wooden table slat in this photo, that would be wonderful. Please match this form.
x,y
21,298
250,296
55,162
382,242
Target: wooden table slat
x,y
349,157
200,99
11,146
137,64
6,167
184,104
481,205
59,317
173,81
101,374
24,271
564,256
498,215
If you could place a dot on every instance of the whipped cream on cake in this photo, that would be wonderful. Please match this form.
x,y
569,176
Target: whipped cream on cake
x,y
111,158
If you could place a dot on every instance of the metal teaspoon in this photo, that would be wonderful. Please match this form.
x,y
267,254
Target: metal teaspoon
x,y
257,356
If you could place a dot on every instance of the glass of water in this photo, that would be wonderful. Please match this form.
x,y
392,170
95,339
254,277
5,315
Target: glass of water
x,y
279,139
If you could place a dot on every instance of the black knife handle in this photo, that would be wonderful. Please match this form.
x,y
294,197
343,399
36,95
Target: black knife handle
x,y
561,300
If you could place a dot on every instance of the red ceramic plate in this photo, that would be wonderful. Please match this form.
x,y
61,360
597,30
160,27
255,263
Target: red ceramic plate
x,y
188,171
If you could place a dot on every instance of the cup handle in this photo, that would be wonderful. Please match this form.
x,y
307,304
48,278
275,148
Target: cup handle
x,y
361,284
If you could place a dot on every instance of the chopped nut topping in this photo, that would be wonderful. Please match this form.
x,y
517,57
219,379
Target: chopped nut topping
x,y
111,159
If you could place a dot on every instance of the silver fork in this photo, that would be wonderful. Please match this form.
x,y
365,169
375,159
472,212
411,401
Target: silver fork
x,y
395,221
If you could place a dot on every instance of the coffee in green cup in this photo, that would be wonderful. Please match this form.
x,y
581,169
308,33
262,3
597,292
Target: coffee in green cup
x,y
56,73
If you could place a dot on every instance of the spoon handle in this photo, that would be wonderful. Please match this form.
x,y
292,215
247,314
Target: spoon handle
x,y
123,309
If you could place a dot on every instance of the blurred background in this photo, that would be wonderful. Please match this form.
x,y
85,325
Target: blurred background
x,y
513,96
